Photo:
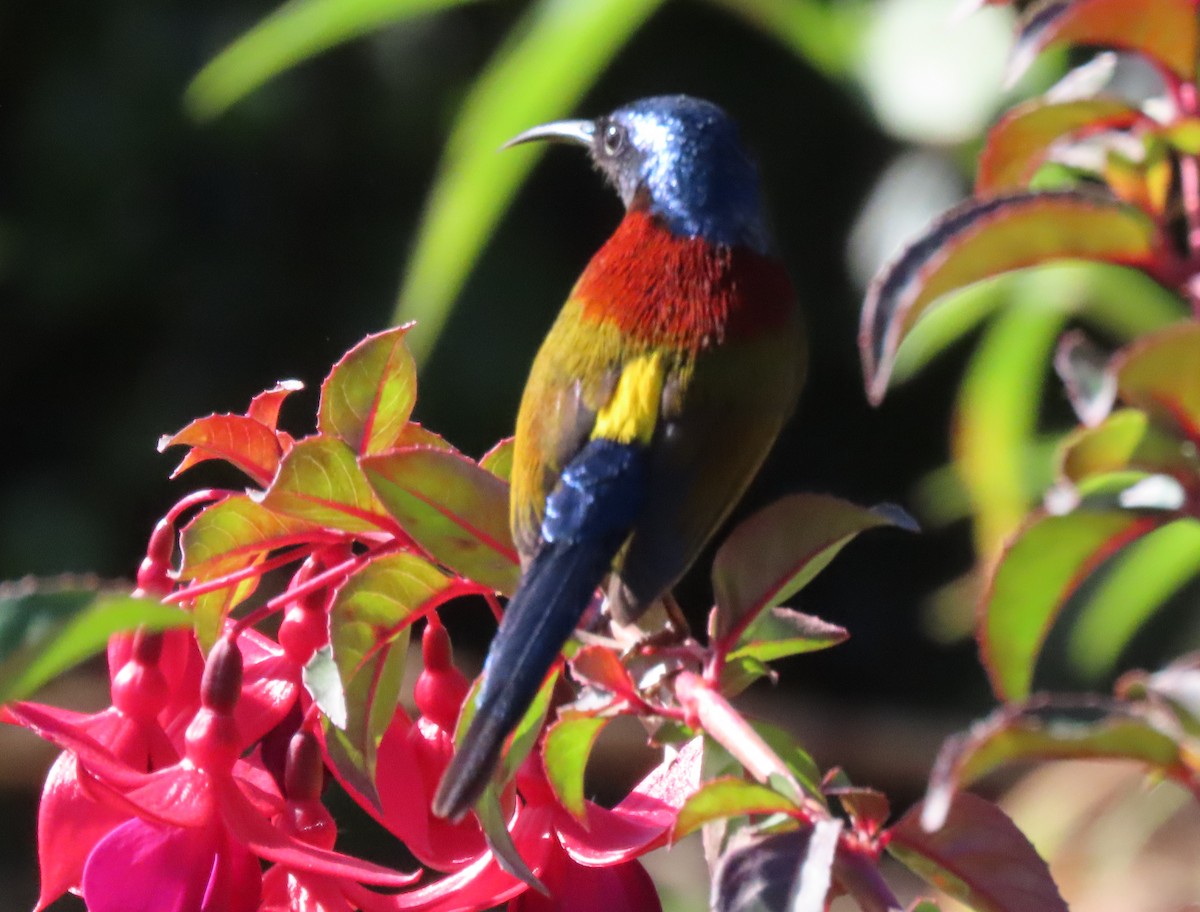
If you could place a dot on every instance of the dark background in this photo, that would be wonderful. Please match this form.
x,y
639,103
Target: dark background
x,y
153,270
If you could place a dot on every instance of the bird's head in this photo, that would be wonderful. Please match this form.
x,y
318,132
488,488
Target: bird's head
x,y
679,156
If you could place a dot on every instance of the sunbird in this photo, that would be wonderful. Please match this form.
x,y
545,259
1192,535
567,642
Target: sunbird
x,y
650,406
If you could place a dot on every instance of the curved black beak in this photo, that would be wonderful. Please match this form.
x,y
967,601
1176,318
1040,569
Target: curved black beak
x,y
574,132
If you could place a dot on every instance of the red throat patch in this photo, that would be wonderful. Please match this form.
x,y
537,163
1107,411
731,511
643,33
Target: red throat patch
x,y
667,290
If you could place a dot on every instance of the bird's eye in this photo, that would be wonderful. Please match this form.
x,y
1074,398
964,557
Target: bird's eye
x,y
614,139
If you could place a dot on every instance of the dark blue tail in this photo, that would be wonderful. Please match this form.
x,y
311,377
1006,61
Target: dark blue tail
x,y
588,517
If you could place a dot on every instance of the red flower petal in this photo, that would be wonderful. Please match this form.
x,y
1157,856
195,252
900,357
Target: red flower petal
x,y
269,842
70,823
642,821
412,759
481,884
573,887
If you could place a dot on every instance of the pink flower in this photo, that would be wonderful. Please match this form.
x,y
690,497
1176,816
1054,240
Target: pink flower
x,y
193,831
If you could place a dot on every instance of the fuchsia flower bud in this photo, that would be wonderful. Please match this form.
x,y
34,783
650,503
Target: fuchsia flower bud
x,y
441,688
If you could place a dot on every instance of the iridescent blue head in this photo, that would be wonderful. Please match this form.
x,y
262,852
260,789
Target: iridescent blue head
x,y
679,156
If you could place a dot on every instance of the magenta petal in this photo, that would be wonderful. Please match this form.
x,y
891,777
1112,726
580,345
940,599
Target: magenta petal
x,y
271,843
70,731
145,867
481,884
624,887
70,824
642,821
411,760
236,880
268,691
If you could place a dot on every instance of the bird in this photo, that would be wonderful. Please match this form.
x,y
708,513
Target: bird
x,y
649,407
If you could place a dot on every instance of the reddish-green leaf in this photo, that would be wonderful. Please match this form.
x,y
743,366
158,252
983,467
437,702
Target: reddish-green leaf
x,y
455,510
868,808
1127,440
1043,729
228,535
601,666
369,394
320,481
243,442
985,238
728,796
1032,581
1138,582
1164,31
565,754
782,632
1020,141
979,857
369,625
498,460
777,551
415,434
210,610
1160,373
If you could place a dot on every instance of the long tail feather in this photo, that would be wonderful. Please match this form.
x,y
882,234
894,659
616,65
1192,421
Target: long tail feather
x,y
587,519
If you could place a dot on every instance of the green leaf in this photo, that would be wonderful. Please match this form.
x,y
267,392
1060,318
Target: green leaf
x,y
320,481
985,238
293,33
369,394
1032,581
48,626
996,417
979,857
1126,439
232,534
499,840
525,735
499,459
1020,141
453,509
777,552
369,624
1160,374
728,796
1164,31
1140,580
565,755
550,58
210,610
782,632
1045,729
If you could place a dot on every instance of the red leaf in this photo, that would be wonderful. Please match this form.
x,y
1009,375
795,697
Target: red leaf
x,y
1020,141
1164,31
264,407
985,238
979,856
1160,373
243,442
